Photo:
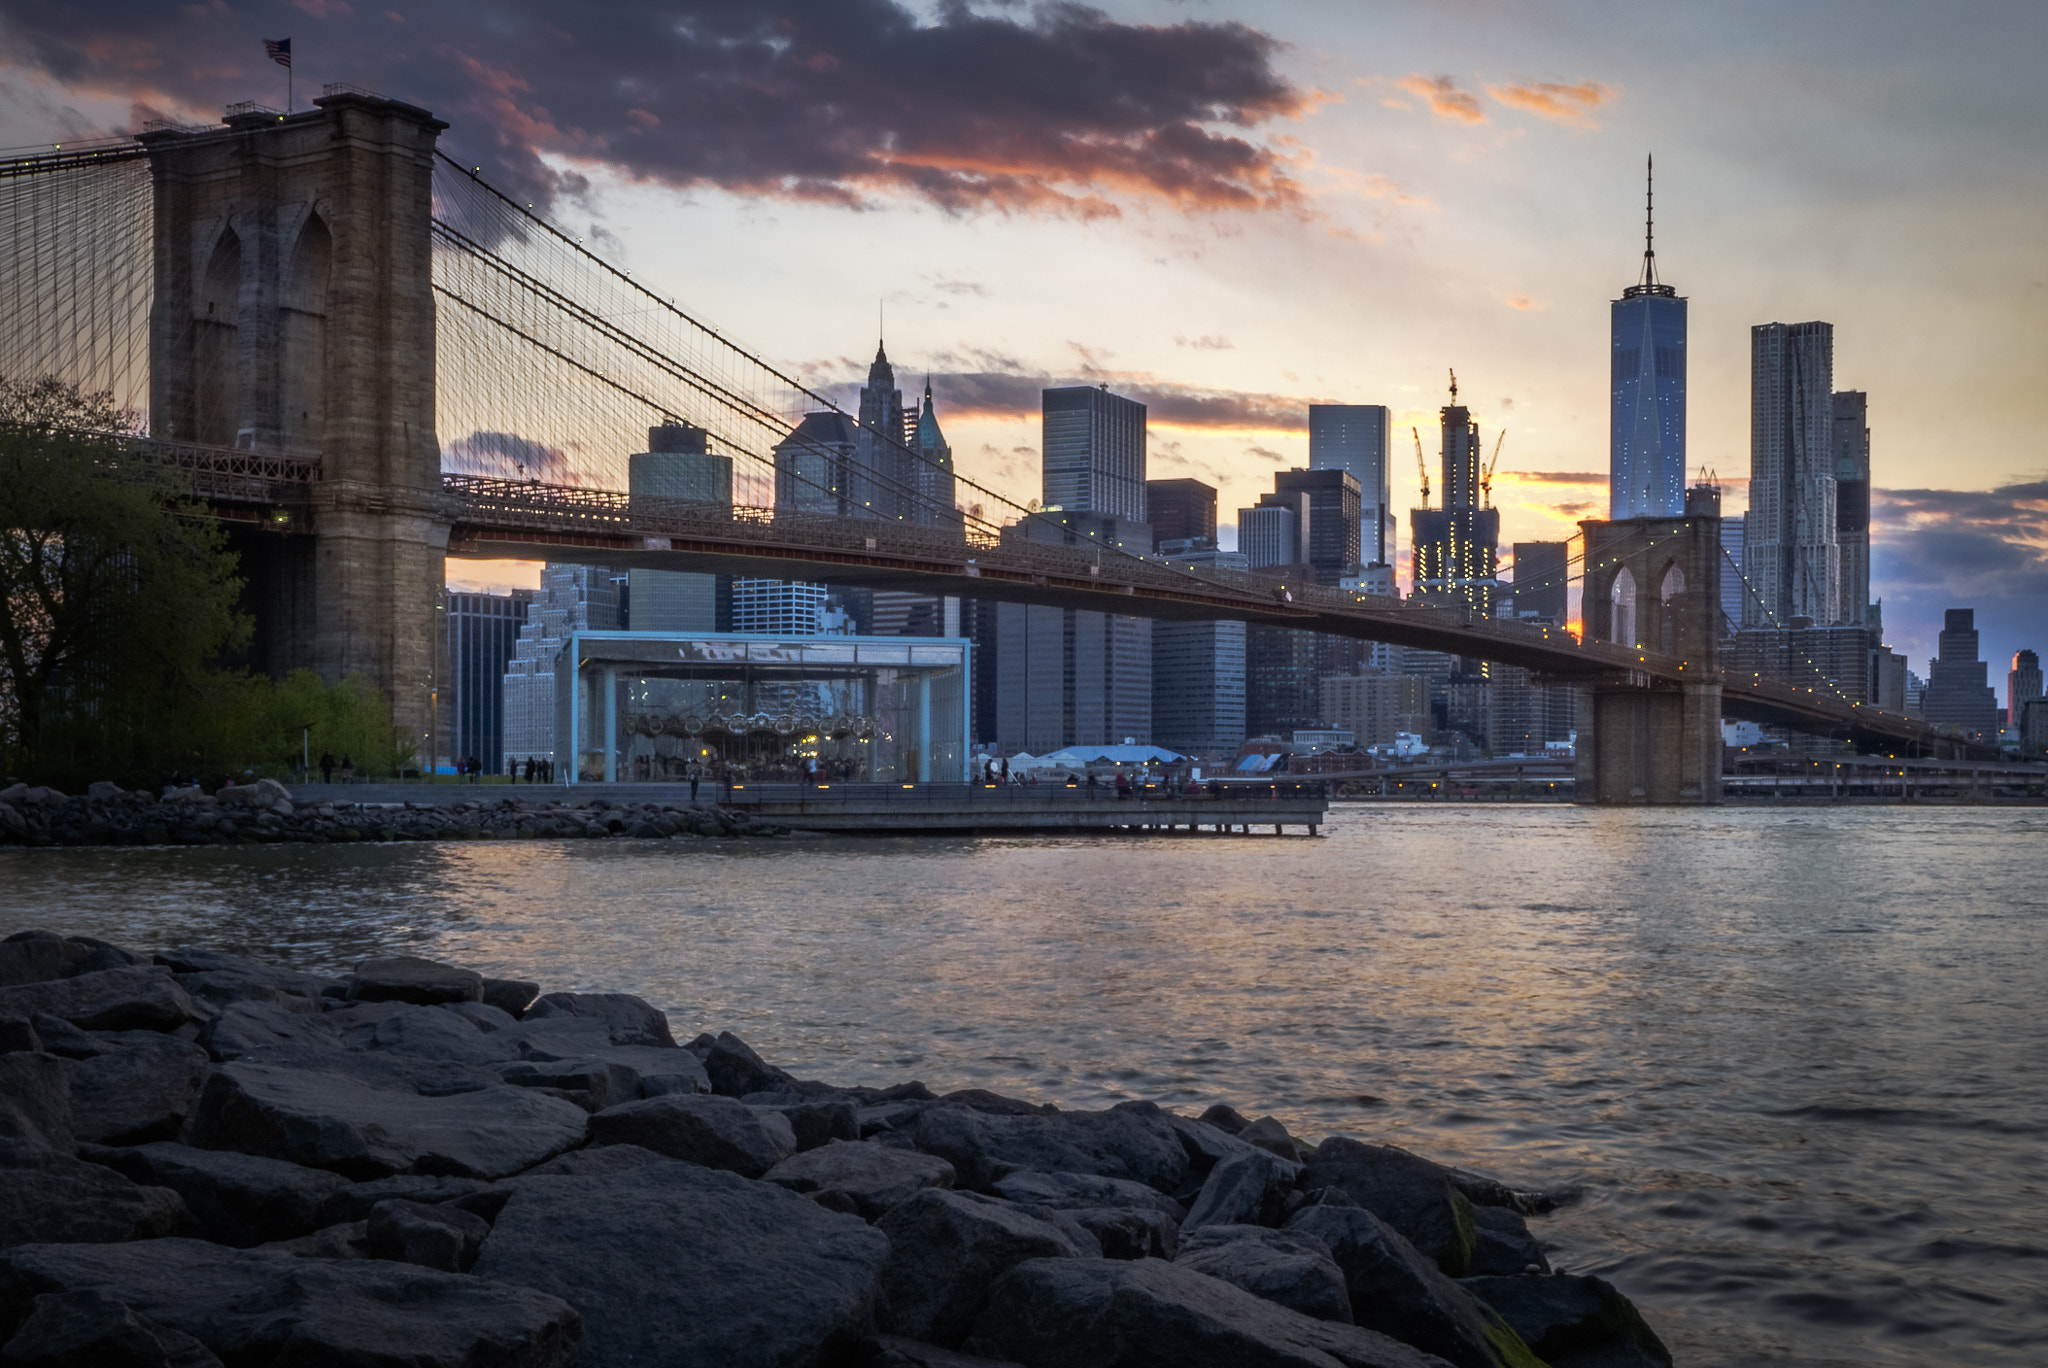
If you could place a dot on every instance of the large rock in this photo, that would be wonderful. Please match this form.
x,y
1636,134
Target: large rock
x,y
92,1330
1290,1268
676,1266
1079,1191
1124,1232
435,1033
984,1148
140,1089
432,1235
238,1199
247,1028
35,1100
894,1351
512,996
1246,1189
38,958
325,1120
222,979
598,1083
1573,1322
1502,1245
661,1070
136,997
946,1250
1406,1191
52,1198
1396,1290
716,1132
876,1178
1101,1313
404,978
629,1020
736,1071
264,1307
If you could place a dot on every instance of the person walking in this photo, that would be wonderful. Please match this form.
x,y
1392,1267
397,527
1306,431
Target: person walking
x,y
1123,785
348,768
696,777
326,767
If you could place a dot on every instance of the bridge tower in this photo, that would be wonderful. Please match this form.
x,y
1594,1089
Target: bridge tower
x,y
1653,584
294,313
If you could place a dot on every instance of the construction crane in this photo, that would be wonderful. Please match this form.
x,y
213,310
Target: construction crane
x,y
1421,466
1486,479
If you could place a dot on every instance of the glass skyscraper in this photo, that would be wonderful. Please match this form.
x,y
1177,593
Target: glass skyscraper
x,y
1353,437
1646,433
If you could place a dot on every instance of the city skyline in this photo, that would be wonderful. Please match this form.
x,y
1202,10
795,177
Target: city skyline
x,y
1365,200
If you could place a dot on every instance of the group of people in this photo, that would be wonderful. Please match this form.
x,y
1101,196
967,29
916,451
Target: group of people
x,y
535,770
327,767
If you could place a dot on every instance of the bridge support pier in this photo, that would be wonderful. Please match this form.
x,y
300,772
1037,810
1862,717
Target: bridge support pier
x,y
1649,746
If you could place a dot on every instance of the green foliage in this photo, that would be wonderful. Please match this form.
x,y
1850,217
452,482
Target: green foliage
x,y
306,717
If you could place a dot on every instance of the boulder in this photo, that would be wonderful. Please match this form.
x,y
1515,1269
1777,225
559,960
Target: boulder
x,y
248,1027
598,1162
1290,1268
513,996
661,1070
256,1306
142,1090
818,1123
1246,1189
984,1148
1573,1322
1269,1135
1397,1291
1502,1244
1206,1144
433,1236
403,978
326,1120
433,1033
677,1266
716,1132
35,1101
29,958
630,1020
348,1241
238,1199
604,1083
735,1070
1076,1191
1225,1118
19,1033
482,1015
946,1250
52,1198
1104,1313
60,1037
135,997
1406,1191
1126,1232
92,1330
875,1178
894,1351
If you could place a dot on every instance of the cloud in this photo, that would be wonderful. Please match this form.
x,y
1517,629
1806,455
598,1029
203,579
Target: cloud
x,y
1206,342
1936,549
1445,98
508,456
1052,108
963,287
1575,510
1523,302
1571,104
1563,477
1008,396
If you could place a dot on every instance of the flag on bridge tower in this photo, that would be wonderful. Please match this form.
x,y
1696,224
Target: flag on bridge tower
x,y
279,50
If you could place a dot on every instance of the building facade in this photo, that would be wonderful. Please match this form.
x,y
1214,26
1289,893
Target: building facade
x,y
1376,707
2022,686
571,598
1094,452
678,467
1181,511
483,630
1791,556
1331,548
1198,668
1354,438
1851,423
1646,424
1957,694
1457,544
1542,581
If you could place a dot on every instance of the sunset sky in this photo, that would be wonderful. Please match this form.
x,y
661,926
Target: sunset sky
x,y
1230,211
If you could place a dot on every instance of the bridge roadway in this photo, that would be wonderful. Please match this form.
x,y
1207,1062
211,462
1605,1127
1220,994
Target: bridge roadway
x,y
510,519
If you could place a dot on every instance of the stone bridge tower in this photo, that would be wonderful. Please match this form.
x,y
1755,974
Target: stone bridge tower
x,y
294,314
1653,584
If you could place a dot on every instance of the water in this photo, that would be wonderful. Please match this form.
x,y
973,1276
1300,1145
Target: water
x,y
1792,1061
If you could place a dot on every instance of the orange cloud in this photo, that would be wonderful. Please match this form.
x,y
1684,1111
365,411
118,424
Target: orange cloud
x,y
1444,97
1522,302
1572,104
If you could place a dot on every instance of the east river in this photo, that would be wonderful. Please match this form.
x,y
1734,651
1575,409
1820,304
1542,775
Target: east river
x,y
1795,1063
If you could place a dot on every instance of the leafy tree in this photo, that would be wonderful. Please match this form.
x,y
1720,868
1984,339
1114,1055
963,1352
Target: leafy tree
x,y
117,596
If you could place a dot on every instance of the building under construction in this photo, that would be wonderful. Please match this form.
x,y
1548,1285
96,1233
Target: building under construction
x,y
1457,544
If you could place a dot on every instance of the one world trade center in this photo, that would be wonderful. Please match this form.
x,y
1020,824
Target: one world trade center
x,y
1646,443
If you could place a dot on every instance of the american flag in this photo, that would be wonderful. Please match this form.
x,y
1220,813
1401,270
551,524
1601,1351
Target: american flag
x,y
279,50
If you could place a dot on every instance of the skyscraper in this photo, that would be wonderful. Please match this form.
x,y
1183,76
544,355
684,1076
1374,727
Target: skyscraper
x,y
1542,581
2022,685
1094,444
1198,669
1851,423
572,598
931,478
1181,511
678,467
1353,437
1456,546
1790,555
1646,432
482,631
1334,534
883,484
1957,694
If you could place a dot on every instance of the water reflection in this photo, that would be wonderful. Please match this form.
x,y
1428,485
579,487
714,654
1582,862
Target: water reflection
x,y
1792,1059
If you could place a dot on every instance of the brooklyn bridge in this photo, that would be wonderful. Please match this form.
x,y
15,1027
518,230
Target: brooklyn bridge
x,y
367,359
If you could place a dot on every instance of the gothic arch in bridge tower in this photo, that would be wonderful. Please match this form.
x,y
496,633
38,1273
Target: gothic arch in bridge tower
x,y
1670,610
1623,597
302,337
216,334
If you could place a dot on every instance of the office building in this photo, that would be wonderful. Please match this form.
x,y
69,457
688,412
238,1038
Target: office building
x,y
2022,685
1376,707
1957,694
678,470
1272,533
1354,438
483,630
1068,677
933,486
1851,436
787,608
571,598
1646,424
1094,452
1198,668
1331,534
1282,685
882,484
1791,557
1888,676
1542,582
1181,511
815,467
1457,544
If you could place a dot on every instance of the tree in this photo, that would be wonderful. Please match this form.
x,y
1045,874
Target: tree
x,y
118,594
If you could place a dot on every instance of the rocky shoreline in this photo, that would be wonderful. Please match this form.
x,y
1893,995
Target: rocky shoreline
x,y
263,813
207,1161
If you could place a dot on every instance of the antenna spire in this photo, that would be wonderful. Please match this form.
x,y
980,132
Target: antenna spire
x,y
1649,220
